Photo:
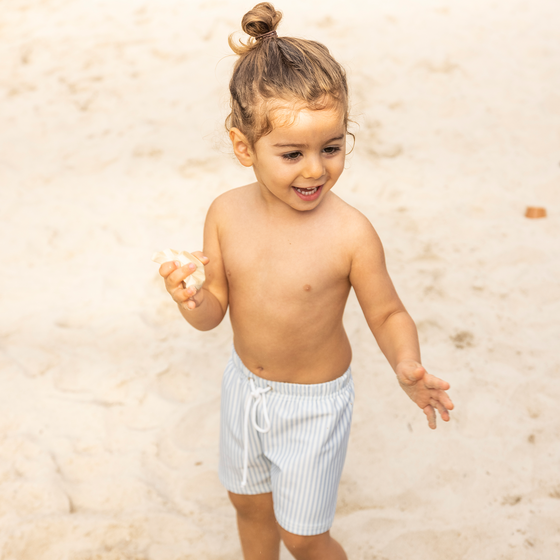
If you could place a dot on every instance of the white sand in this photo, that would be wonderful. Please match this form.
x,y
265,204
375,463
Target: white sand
x,y
111,148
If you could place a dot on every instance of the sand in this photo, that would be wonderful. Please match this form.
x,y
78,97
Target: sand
x,y
112,147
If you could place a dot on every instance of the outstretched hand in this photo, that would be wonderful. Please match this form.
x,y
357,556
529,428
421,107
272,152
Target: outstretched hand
x,y
426,390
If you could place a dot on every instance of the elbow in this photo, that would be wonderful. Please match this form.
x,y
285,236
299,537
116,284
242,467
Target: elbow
x,y
389,318
395,313
210,324
208,327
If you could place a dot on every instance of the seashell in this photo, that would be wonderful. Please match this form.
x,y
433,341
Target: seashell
x,y
196,279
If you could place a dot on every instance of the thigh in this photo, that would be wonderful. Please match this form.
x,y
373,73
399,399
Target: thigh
x,y
307,466
235,392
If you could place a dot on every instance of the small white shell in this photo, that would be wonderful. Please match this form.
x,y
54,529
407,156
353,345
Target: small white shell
x,y
196,279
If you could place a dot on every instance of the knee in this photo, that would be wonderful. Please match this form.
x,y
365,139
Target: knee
x,y
304,546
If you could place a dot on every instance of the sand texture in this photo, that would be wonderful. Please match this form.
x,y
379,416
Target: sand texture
x,y
112,147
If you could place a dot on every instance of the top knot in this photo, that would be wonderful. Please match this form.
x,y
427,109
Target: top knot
x,y
269,34
259,23
261,20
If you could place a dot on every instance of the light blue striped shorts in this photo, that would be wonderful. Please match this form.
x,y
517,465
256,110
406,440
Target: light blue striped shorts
x,y
288,439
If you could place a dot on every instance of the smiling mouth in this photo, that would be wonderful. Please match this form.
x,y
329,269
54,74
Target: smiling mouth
x,y
307,192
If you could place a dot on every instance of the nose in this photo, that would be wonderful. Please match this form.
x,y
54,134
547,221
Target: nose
x,y
314,168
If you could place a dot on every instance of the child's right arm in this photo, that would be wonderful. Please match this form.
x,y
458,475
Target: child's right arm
x,y
203,309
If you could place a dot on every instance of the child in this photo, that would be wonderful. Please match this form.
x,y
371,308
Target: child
x,y
283,253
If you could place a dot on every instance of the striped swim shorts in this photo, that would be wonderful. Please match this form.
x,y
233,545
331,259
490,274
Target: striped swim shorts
x,y
286,438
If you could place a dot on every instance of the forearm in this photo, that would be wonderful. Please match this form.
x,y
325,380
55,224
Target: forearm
x,y
397,338
207,315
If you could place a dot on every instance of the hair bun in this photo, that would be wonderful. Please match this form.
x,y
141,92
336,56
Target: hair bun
x,y
263,18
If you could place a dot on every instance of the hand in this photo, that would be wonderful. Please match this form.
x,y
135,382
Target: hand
x,y
174,274
427,391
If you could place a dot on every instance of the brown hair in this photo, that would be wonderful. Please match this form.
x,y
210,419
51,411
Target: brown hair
x,y
272,68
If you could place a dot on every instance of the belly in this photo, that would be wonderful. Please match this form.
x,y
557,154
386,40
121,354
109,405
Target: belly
x,y
295,338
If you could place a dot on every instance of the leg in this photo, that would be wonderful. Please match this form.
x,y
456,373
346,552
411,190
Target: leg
x,y
305,480
258,530
316,547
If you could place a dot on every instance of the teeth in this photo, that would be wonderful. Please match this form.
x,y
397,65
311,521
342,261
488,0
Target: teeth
x,y
307,192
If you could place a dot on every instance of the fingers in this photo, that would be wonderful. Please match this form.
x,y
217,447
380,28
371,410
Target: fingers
x,y
433,382
430,412
443,412
441,397
428,391
174,274
168,267
181,272
431,415
189,298
185,294
446,401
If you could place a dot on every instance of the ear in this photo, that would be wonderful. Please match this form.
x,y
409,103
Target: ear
x,y
241,147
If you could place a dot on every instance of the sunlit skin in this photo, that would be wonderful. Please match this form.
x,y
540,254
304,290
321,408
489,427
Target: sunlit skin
x,y
284,263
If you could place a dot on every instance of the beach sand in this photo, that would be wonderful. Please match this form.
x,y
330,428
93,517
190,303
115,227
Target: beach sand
x,y
112,147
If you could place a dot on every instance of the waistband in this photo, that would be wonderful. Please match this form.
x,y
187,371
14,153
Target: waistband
x,y
294,389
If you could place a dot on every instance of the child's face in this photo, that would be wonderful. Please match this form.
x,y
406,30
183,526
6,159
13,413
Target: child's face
x,y
299,162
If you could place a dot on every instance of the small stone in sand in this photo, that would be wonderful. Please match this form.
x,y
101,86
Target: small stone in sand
x,y
535,212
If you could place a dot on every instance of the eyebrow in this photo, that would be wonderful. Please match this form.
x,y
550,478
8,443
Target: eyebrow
x,y
305,145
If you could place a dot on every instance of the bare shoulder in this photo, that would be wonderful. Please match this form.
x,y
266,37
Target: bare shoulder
x,y
356,229
226,206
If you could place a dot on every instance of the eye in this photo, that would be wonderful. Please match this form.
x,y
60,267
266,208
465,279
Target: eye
x,y
331,150
292,156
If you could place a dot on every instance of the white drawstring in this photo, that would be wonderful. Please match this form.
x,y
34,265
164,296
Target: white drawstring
x,y
258,394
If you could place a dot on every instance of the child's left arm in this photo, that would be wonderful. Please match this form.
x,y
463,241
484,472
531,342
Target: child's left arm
x,y
392,326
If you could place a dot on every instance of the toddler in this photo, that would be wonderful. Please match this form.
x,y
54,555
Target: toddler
x,y
283,253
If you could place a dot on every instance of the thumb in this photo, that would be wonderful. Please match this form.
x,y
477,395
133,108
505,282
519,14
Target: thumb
x,y
413,372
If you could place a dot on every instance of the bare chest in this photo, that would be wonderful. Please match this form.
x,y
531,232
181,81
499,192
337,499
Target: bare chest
x,y
276,261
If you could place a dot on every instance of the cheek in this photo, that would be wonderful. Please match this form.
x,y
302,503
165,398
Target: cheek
x,y
338,166
283,174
